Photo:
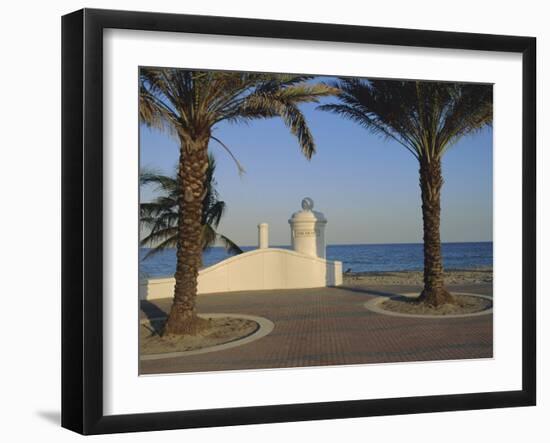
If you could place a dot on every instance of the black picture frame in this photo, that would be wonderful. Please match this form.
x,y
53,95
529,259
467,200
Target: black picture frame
x,y
82,218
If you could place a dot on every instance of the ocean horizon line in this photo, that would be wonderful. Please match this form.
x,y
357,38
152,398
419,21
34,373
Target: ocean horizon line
x,y
377,257
356,244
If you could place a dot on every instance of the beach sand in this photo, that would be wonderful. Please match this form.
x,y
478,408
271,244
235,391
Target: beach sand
x,y
220,331
414,278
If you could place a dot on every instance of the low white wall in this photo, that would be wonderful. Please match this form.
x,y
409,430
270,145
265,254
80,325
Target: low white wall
x,y
260,269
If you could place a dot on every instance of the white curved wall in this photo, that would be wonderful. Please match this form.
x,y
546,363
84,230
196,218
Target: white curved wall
x,y
260,269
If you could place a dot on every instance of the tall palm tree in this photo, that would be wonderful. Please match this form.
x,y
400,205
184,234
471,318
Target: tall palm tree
x,y
426,118
160,216
190,104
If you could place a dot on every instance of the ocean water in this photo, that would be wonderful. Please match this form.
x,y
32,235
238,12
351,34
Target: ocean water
x,y
357,258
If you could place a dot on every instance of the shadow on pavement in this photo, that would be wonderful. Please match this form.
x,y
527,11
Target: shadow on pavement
x,y
153,313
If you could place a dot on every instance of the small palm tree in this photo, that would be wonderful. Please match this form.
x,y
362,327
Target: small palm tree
x,y
190,104
426,118
160,216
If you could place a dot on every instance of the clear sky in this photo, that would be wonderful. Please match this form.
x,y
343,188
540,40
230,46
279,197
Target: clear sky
x,y
366,186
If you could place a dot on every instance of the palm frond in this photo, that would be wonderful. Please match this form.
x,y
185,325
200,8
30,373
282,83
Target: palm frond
x,y
190,103
161,215
229,245
164,182
424,117
240,167
159,241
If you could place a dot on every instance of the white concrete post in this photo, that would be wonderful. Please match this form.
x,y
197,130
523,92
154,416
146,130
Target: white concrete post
x,y
307,230
263,236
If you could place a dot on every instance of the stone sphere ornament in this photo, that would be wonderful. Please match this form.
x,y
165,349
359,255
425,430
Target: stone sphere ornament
x,y
307,204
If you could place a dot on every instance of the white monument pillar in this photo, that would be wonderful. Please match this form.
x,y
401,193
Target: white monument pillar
x,y
263,236
307,230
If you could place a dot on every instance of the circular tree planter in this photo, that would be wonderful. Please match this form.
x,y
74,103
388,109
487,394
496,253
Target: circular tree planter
x,y
377,305
255,328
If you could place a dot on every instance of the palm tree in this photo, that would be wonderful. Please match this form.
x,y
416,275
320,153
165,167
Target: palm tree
x,y
190,104
426,118
160,216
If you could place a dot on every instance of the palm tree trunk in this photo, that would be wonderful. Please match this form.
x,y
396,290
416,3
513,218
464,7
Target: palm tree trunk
x,y
431,181
183,318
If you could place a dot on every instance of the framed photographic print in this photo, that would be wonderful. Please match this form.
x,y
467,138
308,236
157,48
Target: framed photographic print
x,y
270,221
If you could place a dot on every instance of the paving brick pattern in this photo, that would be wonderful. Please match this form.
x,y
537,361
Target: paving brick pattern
x,y
330,326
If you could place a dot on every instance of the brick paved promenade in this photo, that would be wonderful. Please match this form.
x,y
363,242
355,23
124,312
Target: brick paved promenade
x,y
328,326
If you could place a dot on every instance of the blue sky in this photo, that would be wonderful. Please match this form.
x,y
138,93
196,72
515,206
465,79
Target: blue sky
x,y
366,186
